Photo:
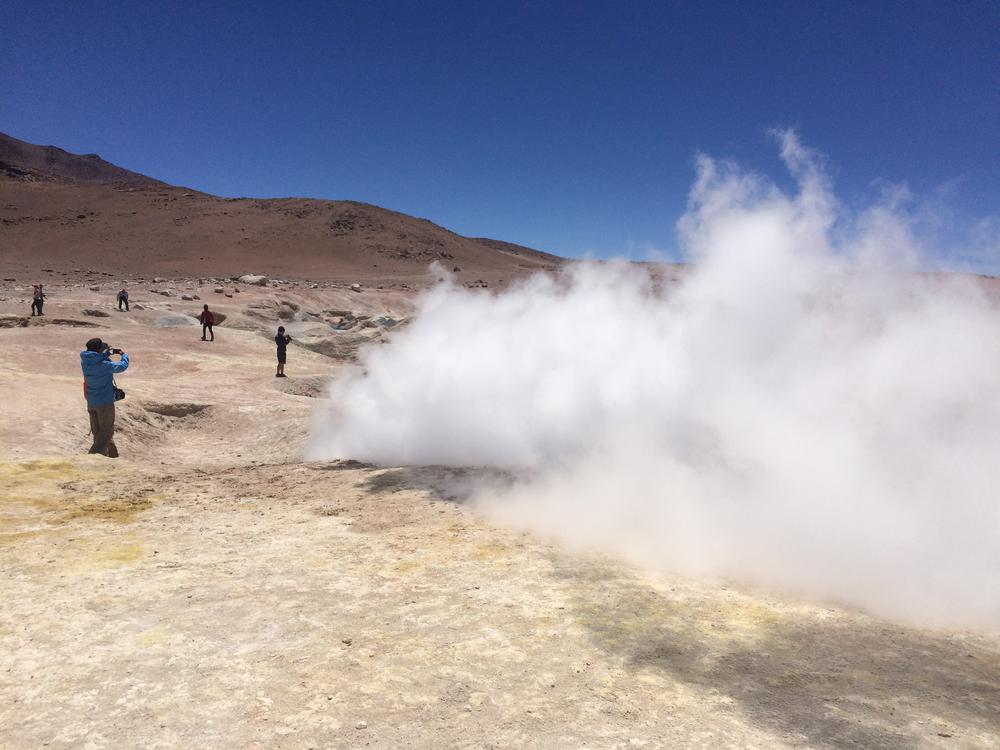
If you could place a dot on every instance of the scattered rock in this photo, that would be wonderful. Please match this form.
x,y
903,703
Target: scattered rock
x,y
138,307
187,297
361,725
219,290
195,296
167,293
254,279
355,287
347,641
158,279
228,295
237,290
97,313
95,288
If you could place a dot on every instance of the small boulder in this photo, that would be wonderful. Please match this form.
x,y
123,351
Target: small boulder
x,y
95,288
187,297
97,313
219,290
355,287
254,280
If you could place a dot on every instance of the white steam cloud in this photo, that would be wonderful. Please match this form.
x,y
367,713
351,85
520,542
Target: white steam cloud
x,y
800,409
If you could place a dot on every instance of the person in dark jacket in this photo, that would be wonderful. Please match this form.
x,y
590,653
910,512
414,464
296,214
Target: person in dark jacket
x,y
98,386
207,320
37,300
123,300
281,340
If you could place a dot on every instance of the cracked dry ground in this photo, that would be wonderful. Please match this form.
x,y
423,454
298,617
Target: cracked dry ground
x,y
285,606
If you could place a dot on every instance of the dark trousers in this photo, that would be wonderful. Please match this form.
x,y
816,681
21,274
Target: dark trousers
x,y
102,426
36,306
207,327
123,301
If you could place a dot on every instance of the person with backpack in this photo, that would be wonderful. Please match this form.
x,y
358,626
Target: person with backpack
x,y
282,340
207,320
123,300
99,388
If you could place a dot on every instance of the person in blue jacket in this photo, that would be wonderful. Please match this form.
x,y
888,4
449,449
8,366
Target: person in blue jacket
x,y
98,386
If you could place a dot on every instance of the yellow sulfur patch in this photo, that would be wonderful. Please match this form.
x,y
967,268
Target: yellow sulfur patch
x,y
44,494
106,556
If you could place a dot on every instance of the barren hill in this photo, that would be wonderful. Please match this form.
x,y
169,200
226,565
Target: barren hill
x,y
66,211
27,162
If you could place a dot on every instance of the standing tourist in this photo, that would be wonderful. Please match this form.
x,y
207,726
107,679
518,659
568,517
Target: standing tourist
x,y
99,388
37,299
207,320
281,340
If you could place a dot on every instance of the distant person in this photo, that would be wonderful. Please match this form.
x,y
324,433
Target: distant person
x,y
99,388
207,321
123,299
37,300
282,340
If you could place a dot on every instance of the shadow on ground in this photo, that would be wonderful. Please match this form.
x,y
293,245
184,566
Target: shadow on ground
x,y
844,682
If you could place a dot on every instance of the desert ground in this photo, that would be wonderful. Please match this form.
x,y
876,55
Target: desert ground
x,y
212,589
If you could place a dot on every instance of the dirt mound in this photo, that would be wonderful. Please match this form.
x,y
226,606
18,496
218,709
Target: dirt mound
x,y
175,410
23,321
311,387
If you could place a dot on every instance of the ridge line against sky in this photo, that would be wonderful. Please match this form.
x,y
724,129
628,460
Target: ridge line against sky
x,y
571,128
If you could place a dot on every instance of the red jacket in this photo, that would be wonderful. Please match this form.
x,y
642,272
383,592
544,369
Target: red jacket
x,y
206,318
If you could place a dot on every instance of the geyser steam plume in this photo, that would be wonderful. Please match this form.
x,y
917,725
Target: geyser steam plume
x,y
801,409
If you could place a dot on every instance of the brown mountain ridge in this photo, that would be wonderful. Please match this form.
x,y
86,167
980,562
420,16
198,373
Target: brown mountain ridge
x,y
72,212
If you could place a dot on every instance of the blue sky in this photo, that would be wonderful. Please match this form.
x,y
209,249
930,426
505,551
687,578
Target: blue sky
x,y
570,127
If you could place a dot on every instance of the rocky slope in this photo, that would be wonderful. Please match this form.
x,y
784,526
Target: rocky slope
x,y
65,211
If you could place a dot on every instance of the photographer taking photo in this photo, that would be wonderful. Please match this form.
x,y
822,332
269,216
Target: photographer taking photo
x,y
99,388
